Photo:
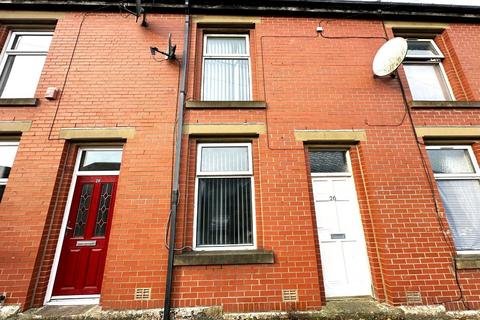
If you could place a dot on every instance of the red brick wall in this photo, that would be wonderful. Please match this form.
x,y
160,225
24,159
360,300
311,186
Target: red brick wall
x,y
112,81
308,82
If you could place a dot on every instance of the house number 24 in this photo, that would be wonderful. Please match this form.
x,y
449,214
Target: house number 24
x,y
333,198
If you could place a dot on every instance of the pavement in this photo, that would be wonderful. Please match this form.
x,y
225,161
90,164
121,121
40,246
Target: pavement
x,y
353,309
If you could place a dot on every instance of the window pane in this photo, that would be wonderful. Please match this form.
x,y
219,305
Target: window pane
x,y
31,42
82,212
20,76
226,80
328,161
226,45
426,82
2,189
450,161
421,48
217,159
101,160
224,212
103,209
7,156
461,199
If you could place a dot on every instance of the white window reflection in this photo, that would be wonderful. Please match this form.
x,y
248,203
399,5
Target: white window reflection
x,y
22,63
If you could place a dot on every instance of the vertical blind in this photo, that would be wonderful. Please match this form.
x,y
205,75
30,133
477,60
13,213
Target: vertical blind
x,y
226,69
224,196
224,215
461,199
221,45
221,159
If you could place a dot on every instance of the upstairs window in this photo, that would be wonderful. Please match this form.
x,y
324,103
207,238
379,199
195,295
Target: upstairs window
x,y
425,74
8,151
458,178
22,63
224,197
226,68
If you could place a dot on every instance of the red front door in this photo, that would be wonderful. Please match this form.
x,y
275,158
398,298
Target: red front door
x,y
82,261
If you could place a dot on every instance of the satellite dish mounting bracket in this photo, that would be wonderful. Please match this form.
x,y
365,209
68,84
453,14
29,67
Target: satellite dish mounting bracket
x,y
170,54
139,11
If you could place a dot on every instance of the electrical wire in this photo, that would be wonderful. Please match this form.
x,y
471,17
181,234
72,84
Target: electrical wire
x,y
407,113
431,184
67,73
322,34
265,86
319,34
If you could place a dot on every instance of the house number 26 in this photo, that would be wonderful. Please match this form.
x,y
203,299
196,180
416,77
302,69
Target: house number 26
x,y
333,198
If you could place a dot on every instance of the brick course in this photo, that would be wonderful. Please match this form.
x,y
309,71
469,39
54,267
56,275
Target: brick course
x,y
308,82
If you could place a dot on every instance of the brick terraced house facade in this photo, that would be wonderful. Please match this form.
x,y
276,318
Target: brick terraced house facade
x,y
301,176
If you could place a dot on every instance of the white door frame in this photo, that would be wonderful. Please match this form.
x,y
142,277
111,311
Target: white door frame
x,y
349,174
73,299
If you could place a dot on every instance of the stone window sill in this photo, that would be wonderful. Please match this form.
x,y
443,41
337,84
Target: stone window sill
x,y
468,261
18,102
195,104
445,104
205,258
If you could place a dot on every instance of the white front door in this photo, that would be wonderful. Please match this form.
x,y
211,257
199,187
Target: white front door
x,y
343,251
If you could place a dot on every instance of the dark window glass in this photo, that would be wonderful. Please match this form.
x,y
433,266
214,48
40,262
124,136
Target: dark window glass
x,y
328,161
103,208
82,212
4,172
2,189
421,48
101,160
224,215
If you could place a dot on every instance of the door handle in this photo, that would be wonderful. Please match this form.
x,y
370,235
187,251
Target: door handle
x,y
69,228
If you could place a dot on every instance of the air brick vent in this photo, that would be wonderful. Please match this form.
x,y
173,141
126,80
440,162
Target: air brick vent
x,y
289,295
413,297
143,293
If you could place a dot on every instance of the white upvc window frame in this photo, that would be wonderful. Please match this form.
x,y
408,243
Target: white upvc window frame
x,y
81,150
7,52
431,60
224,174
4,181
245,56
459,176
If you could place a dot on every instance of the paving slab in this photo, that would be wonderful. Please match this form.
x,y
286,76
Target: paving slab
x,y
351,309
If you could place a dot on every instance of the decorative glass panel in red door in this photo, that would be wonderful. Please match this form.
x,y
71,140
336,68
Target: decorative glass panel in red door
x,y
82,261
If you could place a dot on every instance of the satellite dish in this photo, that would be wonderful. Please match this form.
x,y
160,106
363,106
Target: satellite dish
x,y
390,56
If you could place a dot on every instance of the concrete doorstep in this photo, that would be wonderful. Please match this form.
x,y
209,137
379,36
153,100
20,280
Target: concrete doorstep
x,y
334,310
